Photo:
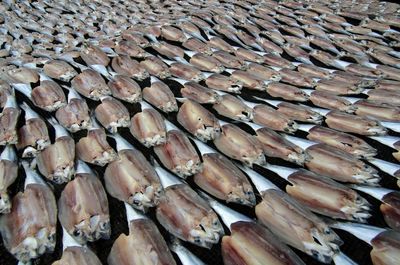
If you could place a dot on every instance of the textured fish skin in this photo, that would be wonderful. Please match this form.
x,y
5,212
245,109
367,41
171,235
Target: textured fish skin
x,y
59,70
390,209
251,243
327,197
143,245
8,123
112,114
77,256
339,165
274,145
131,178
149,128
125,89
83,209
237,144
232,107
221,178
187,216
178,154
75,115
198,121
343,141
29,230
160,95
385,248
296,225
273,119
8,174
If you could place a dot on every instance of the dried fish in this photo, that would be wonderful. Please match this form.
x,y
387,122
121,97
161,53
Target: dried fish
x,y
112,114
29,230
237,144
124,65
198,121
56,161
185,214
221,178
75,115
125,89
90,84
8,122
83,207
160,95
156,66
33,136
148,127
178,154
143,245
131,179
8,174
355,124
59,70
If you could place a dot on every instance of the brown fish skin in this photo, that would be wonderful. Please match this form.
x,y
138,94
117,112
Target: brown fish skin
x,y
94,148
48,96
339,165
385,248
59,70
90,84
8,123
222,179
131,179
296,225
295,78
173,34
32,137
390,209
29,230
178,154
198,121
78,256
384,96
327,197
8,174
206,63
56,161
160,95
287,92
75,115
273,119
136,37
232,107
277,61
197,45
124,65
299,112
343,141
274,145
251,243
386,85
229,61
129,48
143,245
237,144
338,88
389,72
23,75
186,71
354,124
156,67
224,83
199,93
248,55
329,100
220,44
93,55
183,213
263,72
169,50
83,209
148,127
380,111
112,114
124,88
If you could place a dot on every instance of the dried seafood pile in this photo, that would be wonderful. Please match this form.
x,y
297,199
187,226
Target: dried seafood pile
x,y
149,132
